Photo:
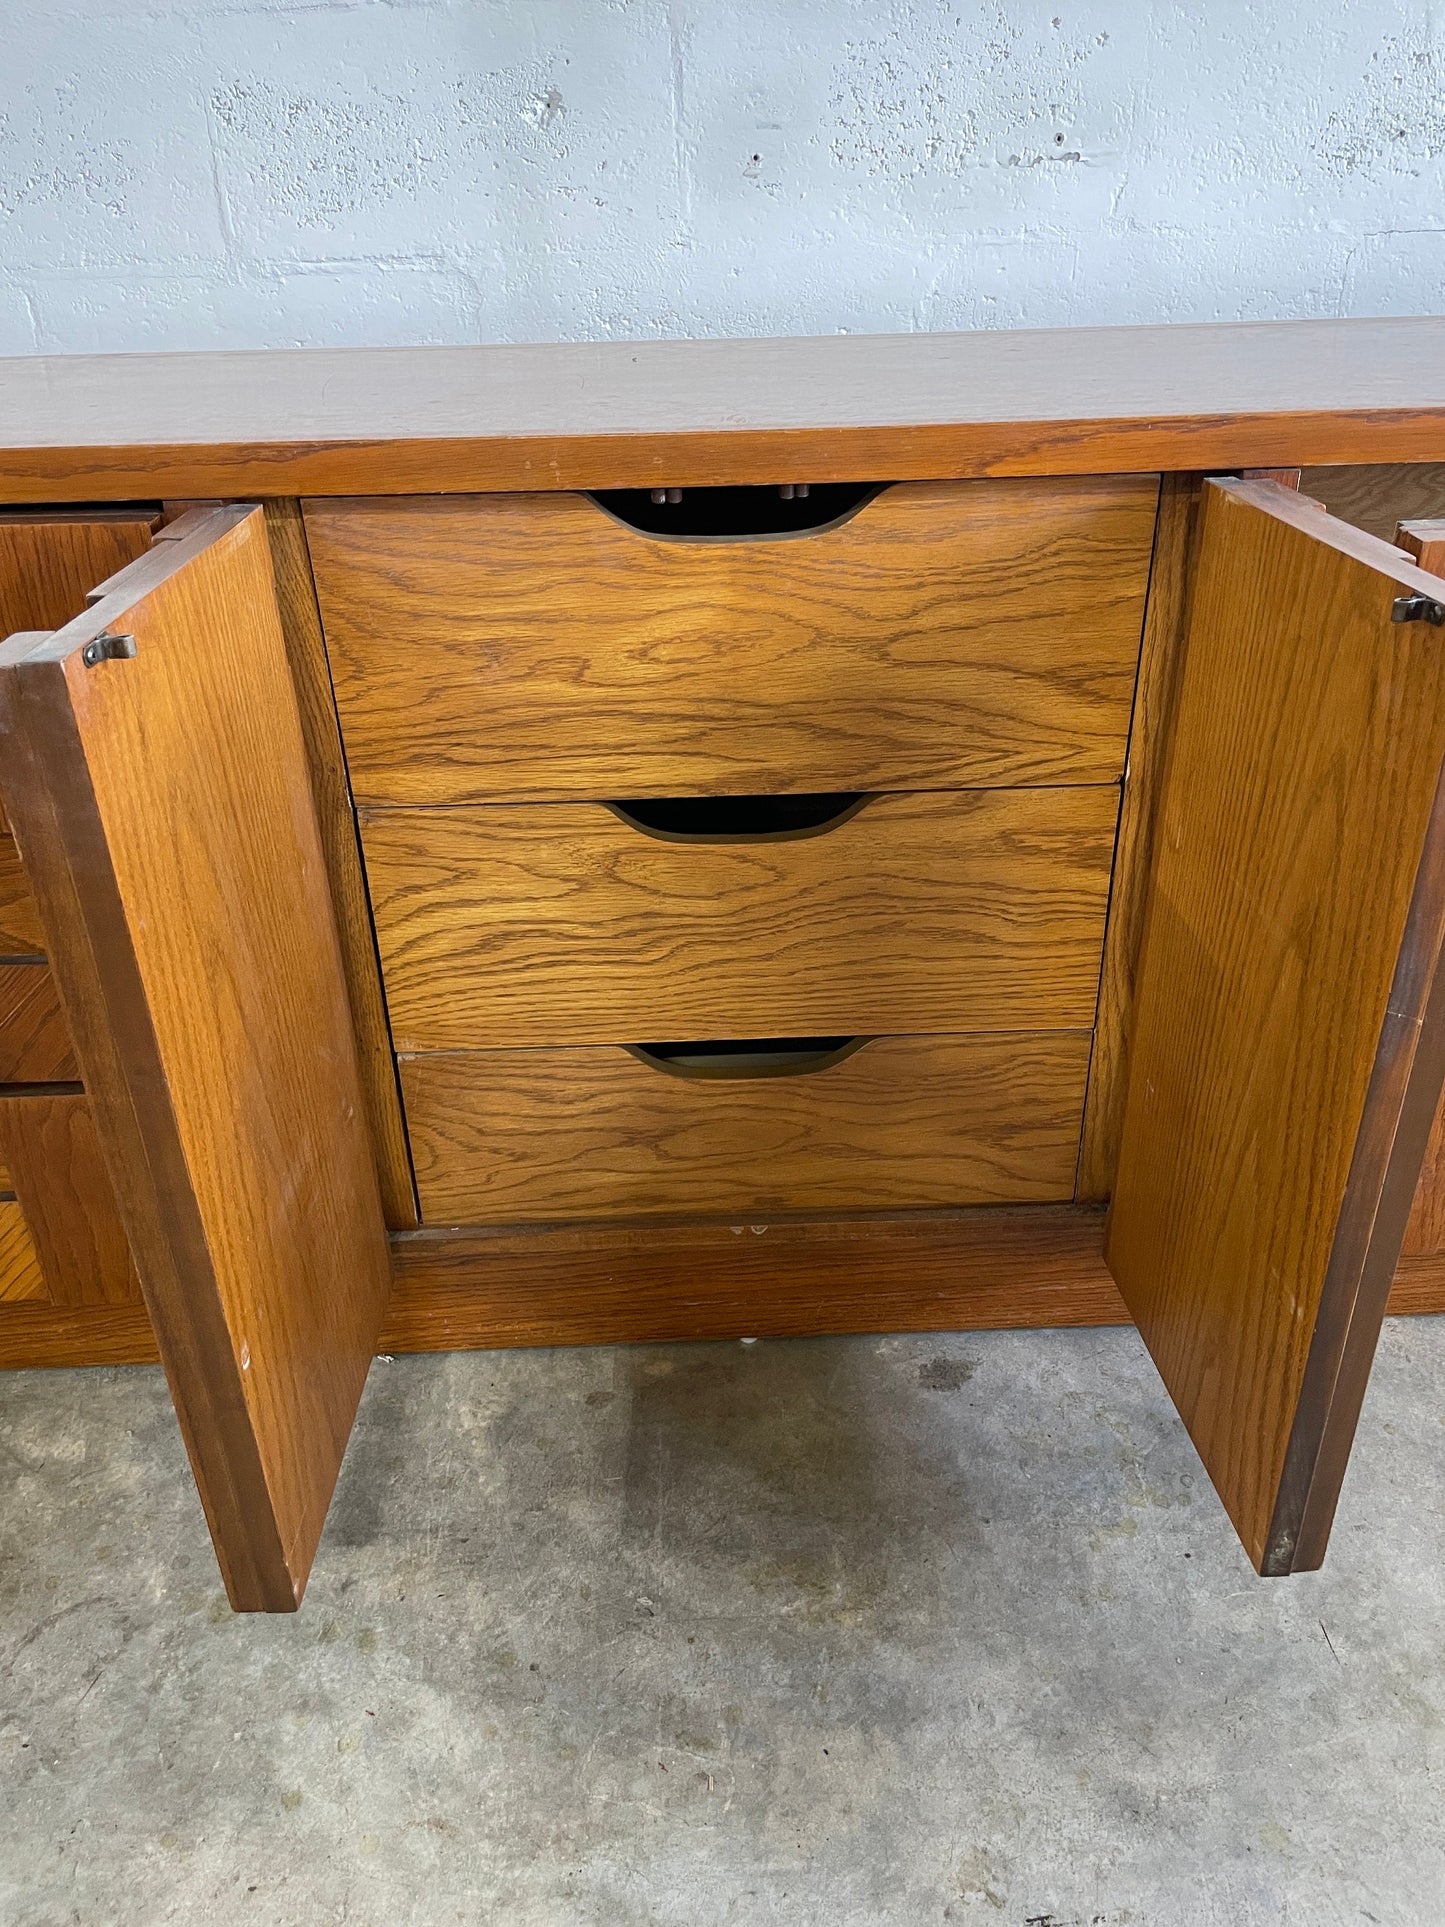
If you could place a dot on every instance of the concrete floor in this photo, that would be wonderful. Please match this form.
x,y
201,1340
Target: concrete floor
x,y
844,1631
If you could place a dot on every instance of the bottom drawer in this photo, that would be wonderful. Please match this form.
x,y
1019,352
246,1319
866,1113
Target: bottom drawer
x,y
780,1125
20,1273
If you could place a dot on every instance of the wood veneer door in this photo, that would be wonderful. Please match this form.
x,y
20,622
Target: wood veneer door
x,y
1289,1031
164,815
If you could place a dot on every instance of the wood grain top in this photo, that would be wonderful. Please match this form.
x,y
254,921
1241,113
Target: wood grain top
x,y
616,414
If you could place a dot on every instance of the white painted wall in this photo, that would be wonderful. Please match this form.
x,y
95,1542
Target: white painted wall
x,y
185,173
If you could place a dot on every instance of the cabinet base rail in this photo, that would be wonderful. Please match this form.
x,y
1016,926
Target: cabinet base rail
x,y
594,1284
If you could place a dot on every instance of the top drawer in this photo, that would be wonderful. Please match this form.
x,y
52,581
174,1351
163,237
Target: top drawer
x,y
534,646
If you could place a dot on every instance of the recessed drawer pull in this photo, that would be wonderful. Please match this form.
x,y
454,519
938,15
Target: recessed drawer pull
x,y
748,1056
740,819
735,514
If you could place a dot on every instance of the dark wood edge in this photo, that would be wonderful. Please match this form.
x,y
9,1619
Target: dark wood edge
x,y
1156,685
55,814
469,1297
1400,1104
905,451
341,845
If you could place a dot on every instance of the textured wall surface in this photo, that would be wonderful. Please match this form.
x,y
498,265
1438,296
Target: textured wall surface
x,y
184,173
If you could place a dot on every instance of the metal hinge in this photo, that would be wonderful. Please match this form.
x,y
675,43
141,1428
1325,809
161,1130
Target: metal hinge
x,y
109,648
1418,608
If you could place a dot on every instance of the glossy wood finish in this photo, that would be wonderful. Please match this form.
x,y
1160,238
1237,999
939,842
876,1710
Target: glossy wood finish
x,y
49,1143
35,1046
619,1284
336,816
616,414
20,932
561,924
21,1278
533,646
901,1123
1149,732
1378,497
1281,1073
204,984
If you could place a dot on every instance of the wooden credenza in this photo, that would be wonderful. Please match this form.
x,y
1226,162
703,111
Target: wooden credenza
x,y
543,846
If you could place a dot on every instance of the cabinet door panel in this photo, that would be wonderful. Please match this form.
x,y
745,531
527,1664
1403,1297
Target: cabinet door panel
x,y
162,807
1290,1031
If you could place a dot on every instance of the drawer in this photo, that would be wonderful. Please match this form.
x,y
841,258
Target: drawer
x,y
20,933
534,646
567,923
20,1273
811,1124
34,1037
51,1159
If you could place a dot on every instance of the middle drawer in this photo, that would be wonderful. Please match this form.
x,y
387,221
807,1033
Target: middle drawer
x,y
573,923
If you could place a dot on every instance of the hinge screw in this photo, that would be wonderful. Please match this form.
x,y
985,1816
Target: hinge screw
x,y
108,648
1418,608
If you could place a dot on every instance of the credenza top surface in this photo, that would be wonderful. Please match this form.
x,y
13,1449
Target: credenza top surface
x,y
596,414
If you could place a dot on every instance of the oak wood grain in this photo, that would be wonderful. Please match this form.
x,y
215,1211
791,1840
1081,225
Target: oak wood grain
x,y
49,1143
533,646
336,816
20,932
204,983
1149,730
618,1283
1270,1105
1379,496
50,562
21,1277
561,924
900,1123
35,1046
549,1285
620,414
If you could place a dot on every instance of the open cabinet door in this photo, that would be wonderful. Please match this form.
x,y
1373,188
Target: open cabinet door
x,y
158,789
1289,1031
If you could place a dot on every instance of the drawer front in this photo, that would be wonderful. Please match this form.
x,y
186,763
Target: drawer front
x,y
532,646
20,934
34,1038
897,1123
51,1158
20,1273
564,924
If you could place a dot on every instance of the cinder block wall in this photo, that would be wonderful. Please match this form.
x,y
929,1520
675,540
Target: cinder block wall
x,y
187,173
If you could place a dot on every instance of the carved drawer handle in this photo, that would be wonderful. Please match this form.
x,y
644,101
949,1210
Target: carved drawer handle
x,y
740,819
744,514
748,1056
